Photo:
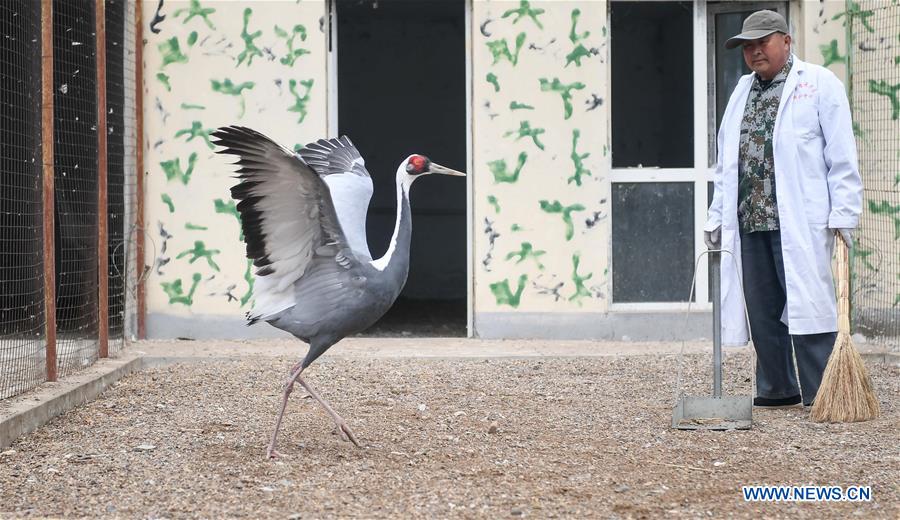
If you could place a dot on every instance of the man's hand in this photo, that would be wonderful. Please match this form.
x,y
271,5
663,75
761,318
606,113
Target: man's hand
x,y
713,238
846,234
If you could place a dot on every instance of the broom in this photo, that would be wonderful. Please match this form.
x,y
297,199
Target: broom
x,y
846,393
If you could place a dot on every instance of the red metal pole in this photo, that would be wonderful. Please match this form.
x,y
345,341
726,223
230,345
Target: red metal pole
x,y
47,183
139,168
102,183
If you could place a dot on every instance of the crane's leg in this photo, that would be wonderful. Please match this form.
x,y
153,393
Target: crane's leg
x,y
287,389
342,427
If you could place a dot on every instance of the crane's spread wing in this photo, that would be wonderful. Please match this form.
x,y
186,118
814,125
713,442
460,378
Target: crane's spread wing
x,y
340,165
286,214
324,295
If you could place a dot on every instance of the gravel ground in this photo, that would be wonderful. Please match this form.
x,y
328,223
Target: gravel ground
x,y
552,437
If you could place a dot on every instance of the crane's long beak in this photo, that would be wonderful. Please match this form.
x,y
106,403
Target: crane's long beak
x,y
437,168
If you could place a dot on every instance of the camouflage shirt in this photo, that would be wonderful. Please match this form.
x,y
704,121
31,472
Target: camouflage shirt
x,y
757,208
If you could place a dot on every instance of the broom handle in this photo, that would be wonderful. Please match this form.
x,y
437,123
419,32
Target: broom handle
x,y
843,268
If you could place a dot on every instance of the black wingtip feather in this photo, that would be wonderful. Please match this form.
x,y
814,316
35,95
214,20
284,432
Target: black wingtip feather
x,y
262,261
259,157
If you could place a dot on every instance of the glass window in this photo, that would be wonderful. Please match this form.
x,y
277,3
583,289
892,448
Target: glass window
x,y
730,64
652,241
652,84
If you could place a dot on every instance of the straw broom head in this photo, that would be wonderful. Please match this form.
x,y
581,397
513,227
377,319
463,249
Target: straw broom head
x,y
846,393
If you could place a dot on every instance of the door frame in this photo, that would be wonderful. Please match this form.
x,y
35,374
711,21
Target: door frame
x,y
332,131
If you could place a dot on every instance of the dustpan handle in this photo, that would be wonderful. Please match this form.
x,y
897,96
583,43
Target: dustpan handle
x,y
717,333
715,263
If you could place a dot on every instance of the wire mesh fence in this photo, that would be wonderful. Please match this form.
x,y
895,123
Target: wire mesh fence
x,y
121,185
75,215
75,156
875,90
21,248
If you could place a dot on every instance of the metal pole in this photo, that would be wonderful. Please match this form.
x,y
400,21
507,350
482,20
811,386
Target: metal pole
x,y
715,260
102,184
47,173
139,168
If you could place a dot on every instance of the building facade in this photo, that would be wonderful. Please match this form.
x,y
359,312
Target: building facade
x,y
587,129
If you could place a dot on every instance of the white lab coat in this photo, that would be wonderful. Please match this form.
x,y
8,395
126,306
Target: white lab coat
x,y
817,187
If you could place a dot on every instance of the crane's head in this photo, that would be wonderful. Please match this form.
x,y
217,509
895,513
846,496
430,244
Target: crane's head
x,y
417,165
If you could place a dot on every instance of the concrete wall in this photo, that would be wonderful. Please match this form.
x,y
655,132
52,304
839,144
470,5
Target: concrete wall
x,y
820,35
541,150
207,64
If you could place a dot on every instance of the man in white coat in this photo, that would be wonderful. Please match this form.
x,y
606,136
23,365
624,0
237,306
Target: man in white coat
x,y
786,184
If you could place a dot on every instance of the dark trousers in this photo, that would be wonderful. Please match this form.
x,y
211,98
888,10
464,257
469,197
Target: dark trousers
x,y
764,289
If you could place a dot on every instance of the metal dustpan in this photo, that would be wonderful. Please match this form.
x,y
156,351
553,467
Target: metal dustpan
x,y
715,412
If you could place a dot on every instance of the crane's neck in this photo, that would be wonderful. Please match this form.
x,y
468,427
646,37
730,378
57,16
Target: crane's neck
x,y
396,259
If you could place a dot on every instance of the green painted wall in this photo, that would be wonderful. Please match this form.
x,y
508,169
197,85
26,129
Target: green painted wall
x,y
540,156
207,64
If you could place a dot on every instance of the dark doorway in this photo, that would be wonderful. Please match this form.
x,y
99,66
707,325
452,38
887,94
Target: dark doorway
x,y
401,90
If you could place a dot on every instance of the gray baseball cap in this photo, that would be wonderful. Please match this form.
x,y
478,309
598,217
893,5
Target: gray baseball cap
x,y
758,25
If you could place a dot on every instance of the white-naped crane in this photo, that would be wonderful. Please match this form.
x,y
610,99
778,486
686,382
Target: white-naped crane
x,y
304,222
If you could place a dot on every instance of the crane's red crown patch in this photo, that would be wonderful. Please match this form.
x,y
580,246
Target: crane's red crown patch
x,y
416,164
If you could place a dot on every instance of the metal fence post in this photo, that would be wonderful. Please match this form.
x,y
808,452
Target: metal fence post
x,y
102,184
48,184
139,169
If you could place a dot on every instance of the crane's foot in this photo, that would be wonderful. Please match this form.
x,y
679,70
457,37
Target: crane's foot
x,y
343,429
341,426
271,454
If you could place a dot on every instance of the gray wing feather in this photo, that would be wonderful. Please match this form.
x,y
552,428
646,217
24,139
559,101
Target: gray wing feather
x,y
334,157
287,214
326,300
341,166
